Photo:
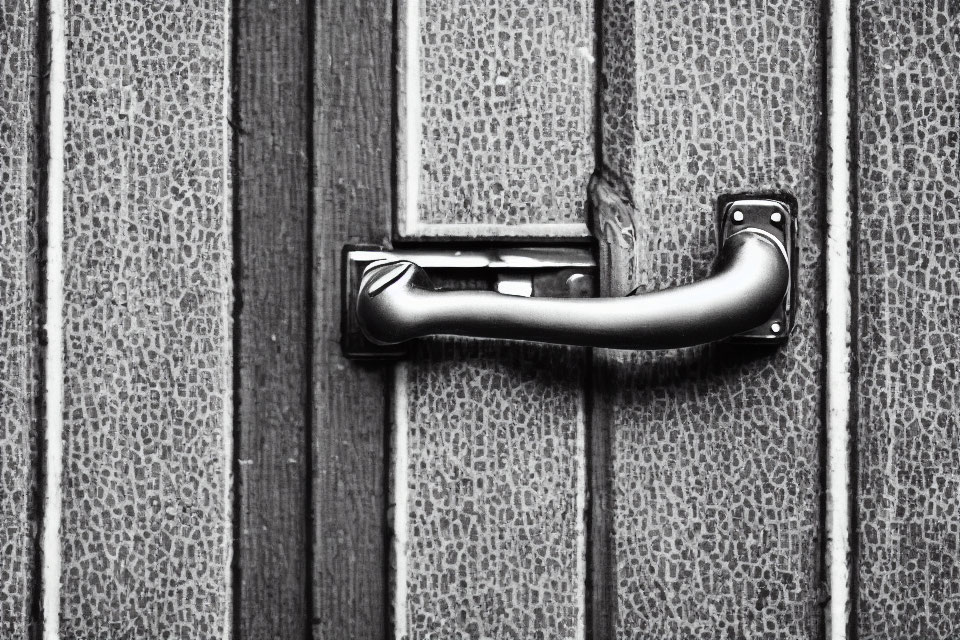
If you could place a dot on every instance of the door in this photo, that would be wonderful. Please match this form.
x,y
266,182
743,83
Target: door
x,y
186,452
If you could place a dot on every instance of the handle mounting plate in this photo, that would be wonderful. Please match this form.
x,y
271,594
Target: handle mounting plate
x,y
554,272
775,217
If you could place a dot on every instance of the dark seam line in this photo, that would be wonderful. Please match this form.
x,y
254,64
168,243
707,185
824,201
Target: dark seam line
x,y
586,384
599,9
390,373
854,417
237,274
822,579
597,549
389,616
42,155
309,521
393,220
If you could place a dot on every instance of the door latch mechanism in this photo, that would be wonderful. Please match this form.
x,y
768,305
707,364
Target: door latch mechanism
x,y
544,294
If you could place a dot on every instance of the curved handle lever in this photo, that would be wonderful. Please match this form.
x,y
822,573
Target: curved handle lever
x,y
750,281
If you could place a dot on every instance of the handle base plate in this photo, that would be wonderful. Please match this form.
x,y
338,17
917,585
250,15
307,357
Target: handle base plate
x,y
554,272
773,216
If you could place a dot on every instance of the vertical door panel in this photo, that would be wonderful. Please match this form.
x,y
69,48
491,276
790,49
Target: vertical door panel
x,y
146,320
709,471
496,117
496,140
272,230
19,347
907,320
489,491
352,147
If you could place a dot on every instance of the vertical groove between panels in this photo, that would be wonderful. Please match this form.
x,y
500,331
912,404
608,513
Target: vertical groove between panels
x,y
592,546
42,48
838,391
582,504
395,379
311,324
232,114
227,311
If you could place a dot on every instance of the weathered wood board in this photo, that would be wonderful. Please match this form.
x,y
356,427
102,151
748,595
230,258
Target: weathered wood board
x,y
489,476
352,147
496,117
272,229
19,315
907,320
708,482
145,531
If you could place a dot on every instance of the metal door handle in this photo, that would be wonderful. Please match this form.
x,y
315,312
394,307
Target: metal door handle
x,y
749,291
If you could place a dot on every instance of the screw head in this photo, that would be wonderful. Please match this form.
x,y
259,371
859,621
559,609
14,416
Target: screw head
x,y
578,285
738,216
775,327
776,217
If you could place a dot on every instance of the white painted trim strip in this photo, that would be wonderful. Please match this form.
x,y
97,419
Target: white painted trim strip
x,y
229,328
411,110
838,320
53,387
400,487
536,230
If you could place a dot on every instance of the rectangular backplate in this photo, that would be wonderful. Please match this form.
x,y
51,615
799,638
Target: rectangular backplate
x,y
555,272
775,216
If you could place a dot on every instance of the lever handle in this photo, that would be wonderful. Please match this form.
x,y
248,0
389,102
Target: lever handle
x,y
750,281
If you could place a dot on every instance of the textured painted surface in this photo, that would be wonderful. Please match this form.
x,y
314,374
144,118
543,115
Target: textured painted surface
x,y
492,483
272,80
353,140
908,320
713,483
18,314
498,127
145,530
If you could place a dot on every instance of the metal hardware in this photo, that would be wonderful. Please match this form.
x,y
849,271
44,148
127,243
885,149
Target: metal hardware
x,y
777,220
749,296
555,272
